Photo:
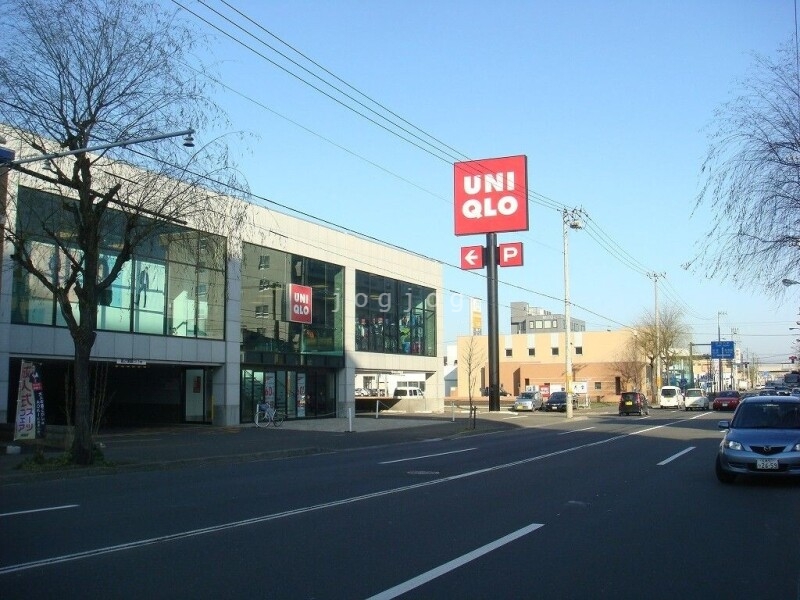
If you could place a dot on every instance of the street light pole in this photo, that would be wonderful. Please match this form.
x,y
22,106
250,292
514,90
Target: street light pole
x,y
188,141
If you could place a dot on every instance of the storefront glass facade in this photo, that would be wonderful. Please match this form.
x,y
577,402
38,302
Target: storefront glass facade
x,y
290,363
394,317
173,285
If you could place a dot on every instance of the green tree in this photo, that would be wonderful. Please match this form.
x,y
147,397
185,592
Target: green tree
x,y
78,74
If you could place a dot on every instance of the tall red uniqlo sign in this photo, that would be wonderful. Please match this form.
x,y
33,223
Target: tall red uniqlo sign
x,y
491,195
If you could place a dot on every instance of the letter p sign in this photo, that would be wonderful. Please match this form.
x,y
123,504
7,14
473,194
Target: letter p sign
x,y
509,255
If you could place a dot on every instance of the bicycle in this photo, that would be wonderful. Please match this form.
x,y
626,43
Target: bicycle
x,y
269,414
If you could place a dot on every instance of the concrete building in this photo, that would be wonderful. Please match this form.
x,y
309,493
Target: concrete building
x,y
200,326
537,361
531,319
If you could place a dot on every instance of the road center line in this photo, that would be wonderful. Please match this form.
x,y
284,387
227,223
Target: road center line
x,y
36,510
409,585
389,462
574,430
674,456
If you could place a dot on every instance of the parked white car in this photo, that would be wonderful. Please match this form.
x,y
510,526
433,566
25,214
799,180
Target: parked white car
x,y
670,396
695,398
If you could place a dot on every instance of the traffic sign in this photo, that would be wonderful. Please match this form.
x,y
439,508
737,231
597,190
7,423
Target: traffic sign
x,y
471,257
722,349
509,255
491,195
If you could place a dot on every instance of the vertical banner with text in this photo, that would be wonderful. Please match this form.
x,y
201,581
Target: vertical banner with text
x,y
30,404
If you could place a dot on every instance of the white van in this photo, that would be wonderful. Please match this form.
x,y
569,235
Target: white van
x,y
670,396
404,391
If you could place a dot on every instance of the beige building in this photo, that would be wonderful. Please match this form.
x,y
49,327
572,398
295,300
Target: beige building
x,y
537,361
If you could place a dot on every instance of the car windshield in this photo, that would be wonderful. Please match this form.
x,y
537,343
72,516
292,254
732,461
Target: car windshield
x,y
728,394
762,415
526,396
668,393
693,392
630,396
557,397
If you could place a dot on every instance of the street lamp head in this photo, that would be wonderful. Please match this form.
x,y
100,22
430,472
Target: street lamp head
x,y
788,282
188,140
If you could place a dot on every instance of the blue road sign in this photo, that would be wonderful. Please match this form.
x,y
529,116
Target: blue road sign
x,y
722,350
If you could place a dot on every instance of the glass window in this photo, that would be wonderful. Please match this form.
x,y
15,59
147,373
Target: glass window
x,y
394,317
141,298
32,302
578,349
531,351
148,297
554,351
266,275
508,351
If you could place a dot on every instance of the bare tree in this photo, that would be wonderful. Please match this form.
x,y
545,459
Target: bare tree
x,y
473,360
752,179
95,73
630,366
665,343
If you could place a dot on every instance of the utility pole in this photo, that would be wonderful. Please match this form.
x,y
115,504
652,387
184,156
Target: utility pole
x,y
657,378
719,339
571,220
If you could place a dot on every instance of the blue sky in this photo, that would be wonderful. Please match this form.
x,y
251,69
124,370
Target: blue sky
x,y
609,101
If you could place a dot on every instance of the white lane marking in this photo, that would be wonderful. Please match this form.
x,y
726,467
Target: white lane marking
x,y
389,462
35,510
419,580
574,430
674,456
308,509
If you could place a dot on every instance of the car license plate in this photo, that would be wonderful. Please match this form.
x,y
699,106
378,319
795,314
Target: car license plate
x,y
629,403
725,405
766,464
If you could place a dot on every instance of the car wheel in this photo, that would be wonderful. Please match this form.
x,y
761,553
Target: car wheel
x,y
722,474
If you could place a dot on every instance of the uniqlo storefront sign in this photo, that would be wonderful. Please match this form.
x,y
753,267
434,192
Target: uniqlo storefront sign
x,y
491,195
299,303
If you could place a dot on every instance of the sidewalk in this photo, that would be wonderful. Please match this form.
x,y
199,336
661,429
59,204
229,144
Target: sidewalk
x,y
158,448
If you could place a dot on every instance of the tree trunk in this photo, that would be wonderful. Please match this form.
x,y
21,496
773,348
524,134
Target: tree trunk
x,y
83,444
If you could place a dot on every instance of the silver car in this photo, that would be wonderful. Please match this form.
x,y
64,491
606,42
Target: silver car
x,y
763,438
528,401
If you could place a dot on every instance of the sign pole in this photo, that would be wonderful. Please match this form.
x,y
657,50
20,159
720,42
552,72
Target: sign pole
x,y
493,324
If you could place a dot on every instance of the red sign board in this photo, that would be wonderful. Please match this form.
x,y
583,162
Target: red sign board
x,y
471,257
509,255
299,303
491,195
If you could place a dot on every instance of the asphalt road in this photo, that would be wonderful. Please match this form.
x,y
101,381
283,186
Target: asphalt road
x,y
604,507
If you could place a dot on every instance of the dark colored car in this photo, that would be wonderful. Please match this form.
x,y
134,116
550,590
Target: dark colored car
x,y
727,400
558,402
502,392
633,402
763,438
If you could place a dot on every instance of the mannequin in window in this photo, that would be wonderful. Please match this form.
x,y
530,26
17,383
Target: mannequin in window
x,y
141,288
